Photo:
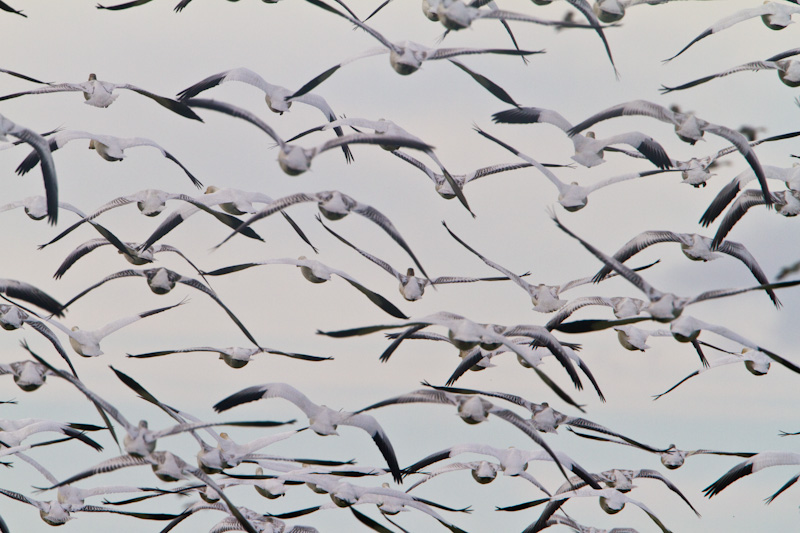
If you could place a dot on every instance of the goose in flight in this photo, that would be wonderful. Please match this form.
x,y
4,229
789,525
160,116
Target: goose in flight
x,y
234,356
13,317
574,197
411,287
14,432
108,147
611,499
609,11
277,97
513,461
161,281
41,148
333,205
36,207
695,247
787,203
28,375
317,272
457,15
545,298
322,419
294,160
405,57
99,93
664,307
588,149
671,457
775,15
688,127
755,464
392,130
789,175
788,71
87,342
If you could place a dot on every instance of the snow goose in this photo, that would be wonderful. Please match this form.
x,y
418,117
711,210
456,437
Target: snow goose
x,y
161,281
671,457
574,197
234,356
688,127
613,10
275,96
588,149
788,71
333,205
664,307
28,375
14,432
295,160
87,342
41,147
612,501
775,15
754,464
55,513
322,419
99,93
411,287
789,175
787,203
317,272
456,15
36,207
13,317
108,147
695,247
545,298
513,461
405,57
392,130
231,201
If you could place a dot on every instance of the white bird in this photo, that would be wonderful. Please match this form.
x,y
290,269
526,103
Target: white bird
x,y
695,247
456,15
231,201
294,160
574,197
789,175
87,342
322,419
588,149
317,272
36,207
411,287
612,501
562,520
28,375
392,130
99,93
405,57
787,203
234,356
775,15
161,281
788,71
664,307
277,97
688,127
755,464
42,148
108,147
333,205
13,317
482,471
609,11
545,298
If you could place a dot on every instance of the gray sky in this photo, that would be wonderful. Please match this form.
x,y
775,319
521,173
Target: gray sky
x,y
288,44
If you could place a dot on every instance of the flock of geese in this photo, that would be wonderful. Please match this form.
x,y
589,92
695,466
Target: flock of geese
x,y
226,464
